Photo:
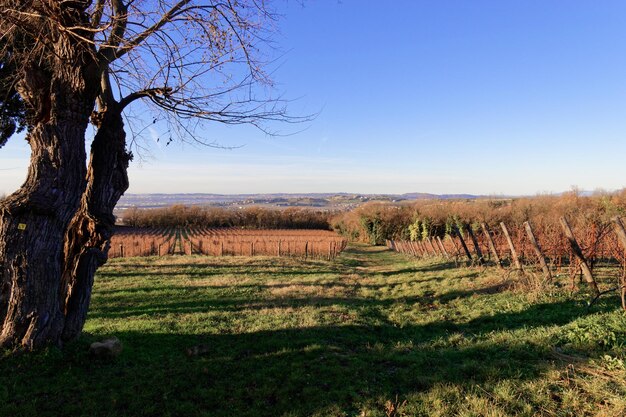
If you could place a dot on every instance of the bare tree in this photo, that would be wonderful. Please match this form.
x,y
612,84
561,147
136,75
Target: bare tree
x,y
79,62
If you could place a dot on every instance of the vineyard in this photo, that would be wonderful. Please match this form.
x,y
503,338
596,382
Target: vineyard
x,y
552,249
131,242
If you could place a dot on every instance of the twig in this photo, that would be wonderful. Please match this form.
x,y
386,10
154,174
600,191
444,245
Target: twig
x,y
592,302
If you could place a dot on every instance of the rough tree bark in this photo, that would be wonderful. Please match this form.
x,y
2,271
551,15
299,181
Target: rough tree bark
x,y
59,95
32,225
88,238
80,241
33,222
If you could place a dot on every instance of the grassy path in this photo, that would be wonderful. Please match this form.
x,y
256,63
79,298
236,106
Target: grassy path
x,y
372,334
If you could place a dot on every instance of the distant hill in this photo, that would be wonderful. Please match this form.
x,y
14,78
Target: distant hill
x,y
426,196
278,200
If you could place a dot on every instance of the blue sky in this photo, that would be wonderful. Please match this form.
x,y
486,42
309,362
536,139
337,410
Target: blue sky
x,y
485,97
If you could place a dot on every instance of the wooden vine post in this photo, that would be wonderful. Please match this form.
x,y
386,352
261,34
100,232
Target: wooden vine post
x,y
415,248
434,242
537,248
516,261
418,249
492,247
621,235
406,248
456,248
432,247
443,248
465,249
579,254
479,253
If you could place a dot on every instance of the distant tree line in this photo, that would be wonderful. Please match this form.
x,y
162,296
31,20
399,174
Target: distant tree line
x,y
375,222
249,217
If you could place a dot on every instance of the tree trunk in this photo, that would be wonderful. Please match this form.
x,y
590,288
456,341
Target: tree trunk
x,y
89,235
59,91
33,222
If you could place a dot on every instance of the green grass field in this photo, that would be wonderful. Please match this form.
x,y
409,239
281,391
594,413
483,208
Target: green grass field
x,y
373,333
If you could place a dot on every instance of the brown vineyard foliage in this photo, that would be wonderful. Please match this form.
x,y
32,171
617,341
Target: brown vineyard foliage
x,y
130,242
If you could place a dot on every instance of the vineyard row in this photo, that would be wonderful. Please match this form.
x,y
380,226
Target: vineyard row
x,y
131,242
551,249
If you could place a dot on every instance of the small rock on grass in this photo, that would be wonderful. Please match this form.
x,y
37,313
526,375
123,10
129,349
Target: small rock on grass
x,y
198,350
108,348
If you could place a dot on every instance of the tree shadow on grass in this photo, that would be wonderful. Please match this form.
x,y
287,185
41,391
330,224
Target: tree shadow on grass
x,y
350,282
437,267
202,272
300,371
324,370
295,371
542,314
208,297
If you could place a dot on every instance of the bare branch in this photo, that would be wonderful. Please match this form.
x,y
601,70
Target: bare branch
x,y
150,92
191,60
96,15
116,37
137,40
